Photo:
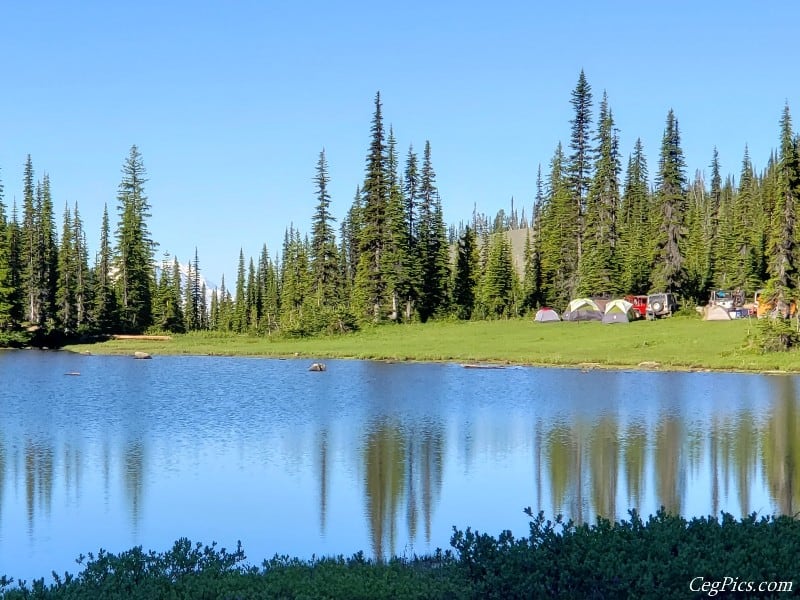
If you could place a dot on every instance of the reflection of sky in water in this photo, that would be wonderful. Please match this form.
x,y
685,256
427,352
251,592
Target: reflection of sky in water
x,y
370,456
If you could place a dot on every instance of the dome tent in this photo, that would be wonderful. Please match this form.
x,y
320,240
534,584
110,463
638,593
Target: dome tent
x,y
546,315
582,309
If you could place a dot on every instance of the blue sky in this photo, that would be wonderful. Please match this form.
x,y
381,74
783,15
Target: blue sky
x,y
230,103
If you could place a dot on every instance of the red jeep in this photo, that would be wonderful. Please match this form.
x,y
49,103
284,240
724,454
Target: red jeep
x,y
639,305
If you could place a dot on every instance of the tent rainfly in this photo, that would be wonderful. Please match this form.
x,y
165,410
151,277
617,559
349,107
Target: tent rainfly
x,y
582,309
546,315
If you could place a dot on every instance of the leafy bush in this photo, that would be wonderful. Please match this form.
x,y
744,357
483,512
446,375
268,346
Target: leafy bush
x,y
657,558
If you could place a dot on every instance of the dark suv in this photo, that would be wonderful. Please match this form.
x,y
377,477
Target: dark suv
x,y
661,305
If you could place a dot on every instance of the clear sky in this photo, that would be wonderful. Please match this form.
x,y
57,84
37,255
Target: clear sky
x,y
231,102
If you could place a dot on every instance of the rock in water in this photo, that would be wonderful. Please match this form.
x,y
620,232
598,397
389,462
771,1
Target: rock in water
x,y
141,355
317,367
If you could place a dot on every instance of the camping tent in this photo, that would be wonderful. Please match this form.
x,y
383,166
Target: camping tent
x,y
546,315
716,313
582,309
618,311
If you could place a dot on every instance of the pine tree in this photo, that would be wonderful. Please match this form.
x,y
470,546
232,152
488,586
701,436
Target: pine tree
x,y
698,251
31,251
65,294
498,279
467,274
104,308
669,270
432,243
134,253
411,200
370,281
578,168
83,287
324,256
239,320
783,249
559,224
598,264
395,260
48,266
7,290
636,249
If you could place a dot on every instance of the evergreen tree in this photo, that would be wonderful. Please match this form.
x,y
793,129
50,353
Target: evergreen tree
x,y
598,264
433,248
395,260
467,274
498,279
268,280
559,222
48,266
31,251
578,168
83,287
134,253
239,320
7,290
104,308
65,294
411,200
636,248
669,270
370,281
783,249
324,258
167,311
698,252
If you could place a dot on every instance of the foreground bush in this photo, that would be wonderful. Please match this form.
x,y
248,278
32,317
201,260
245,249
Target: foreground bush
x,y
664,557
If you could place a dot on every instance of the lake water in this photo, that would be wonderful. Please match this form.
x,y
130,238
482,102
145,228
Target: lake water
x,y
370,456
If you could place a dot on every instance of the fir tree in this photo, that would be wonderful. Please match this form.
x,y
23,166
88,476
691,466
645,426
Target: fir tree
x,y
783,250
324,258
432,244
134,254
467,274
636,249
578,168
669,269
104,308
370,281
7,289
65,293
498,279
598,264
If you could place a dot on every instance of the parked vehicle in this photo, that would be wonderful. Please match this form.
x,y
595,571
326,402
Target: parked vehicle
x,y
661,305
639,305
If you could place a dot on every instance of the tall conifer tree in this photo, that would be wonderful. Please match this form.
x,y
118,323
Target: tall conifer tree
x,y
134,254
669,269
370,282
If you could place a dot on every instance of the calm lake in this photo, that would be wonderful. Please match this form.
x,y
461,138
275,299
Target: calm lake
x,y
370,456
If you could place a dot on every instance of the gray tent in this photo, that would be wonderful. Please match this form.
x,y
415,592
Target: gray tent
x,y
582,309
546,315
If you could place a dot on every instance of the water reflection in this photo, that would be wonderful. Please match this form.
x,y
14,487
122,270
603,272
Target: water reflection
x,y
384,458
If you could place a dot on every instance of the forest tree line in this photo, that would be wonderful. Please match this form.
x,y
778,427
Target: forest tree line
x,y
593,228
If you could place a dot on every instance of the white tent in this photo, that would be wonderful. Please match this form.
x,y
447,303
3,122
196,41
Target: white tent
x,y
546,315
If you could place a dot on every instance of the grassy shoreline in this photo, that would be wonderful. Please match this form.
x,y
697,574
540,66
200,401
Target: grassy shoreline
x,y
679,343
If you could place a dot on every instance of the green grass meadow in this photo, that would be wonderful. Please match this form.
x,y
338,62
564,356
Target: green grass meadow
x,y
676,343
